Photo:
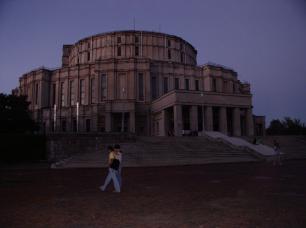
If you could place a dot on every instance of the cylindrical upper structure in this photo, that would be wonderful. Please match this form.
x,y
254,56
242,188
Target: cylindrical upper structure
x,y
130,44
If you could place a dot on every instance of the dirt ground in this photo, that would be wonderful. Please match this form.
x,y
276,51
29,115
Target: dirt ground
x,y
214,195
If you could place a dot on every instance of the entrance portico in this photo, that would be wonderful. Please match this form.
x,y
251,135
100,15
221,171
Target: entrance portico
x,y
188,118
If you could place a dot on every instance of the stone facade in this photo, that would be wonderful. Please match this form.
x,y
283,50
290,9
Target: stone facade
x,y
140,82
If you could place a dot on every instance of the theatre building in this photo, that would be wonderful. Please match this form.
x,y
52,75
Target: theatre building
x,y
147,83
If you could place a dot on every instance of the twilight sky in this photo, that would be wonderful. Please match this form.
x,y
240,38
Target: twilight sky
x,y
263,40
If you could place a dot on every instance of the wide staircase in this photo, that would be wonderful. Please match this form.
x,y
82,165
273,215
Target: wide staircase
x,y
163,151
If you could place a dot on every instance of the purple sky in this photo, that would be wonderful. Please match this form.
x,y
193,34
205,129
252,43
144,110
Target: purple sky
x,y
263,40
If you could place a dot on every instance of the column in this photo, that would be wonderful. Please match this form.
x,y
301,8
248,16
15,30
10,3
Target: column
x,y
223,120
178,121
194,118
162,123
249,122
108,121
236,122
203,118
208,118
132,121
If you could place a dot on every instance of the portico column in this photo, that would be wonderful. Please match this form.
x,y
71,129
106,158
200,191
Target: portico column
x,y
162,124
223,120
236,122
203,118
108,121
194,118
208,118
132,121
178,122
249,123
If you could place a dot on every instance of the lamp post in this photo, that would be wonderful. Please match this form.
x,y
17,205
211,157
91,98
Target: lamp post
x,y
54,117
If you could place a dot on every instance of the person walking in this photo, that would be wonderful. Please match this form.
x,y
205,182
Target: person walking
x,y
118,155
113,170
277,156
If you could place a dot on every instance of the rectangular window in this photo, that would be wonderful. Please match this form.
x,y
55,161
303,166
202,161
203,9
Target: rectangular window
x,y
140,87
136,39
169,54
72,93
53,94
88,56
224,86
136,51
62,95
82,91
118,40
103,87
165,85
122,86
92,91
177,83
182,57
154,87
214,85
118,51
186,84
36,93
197,88
168,43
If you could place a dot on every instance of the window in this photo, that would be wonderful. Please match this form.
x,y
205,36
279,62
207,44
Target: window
x,y
181,46
177,83
140,87
154,87
197,85
53,94
82,91
187,84
136,39
103,86
118,39
118,51
121,86
214,85
182,57
169,54
92,90
88,56
224,86
72,93
36,93
168,43
62,95
165,85
136,51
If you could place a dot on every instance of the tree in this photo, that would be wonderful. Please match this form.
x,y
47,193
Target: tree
x,y
287,126
14,115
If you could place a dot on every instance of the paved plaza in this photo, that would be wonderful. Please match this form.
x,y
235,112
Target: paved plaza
x,y
211,195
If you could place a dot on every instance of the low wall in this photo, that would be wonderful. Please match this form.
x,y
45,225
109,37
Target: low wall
x,y
61,146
